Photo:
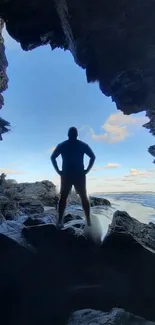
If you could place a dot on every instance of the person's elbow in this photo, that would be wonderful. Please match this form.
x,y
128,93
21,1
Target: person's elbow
x,y
52,158
93,157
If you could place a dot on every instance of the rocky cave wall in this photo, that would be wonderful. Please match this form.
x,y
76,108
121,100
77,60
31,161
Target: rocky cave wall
x,y
113,41
4,125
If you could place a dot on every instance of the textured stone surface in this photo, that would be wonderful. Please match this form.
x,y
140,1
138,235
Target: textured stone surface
x,y
142,233
74,199
152,151
113,41
26,198
115,317
60,273
2,218
29,206
4,125
96,201
8,207
151,127
3,65
44,191
118,54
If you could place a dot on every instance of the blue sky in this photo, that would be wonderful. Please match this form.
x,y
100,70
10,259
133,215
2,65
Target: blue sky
x,y
47,94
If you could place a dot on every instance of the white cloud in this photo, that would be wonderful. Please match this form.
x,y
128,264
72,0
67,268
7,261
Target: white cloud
x,y
108,166
139,173
136,180
118,127
112,165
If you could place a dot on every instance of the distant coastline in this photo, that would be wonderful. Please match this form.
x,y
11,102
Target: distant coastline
x,y
121,192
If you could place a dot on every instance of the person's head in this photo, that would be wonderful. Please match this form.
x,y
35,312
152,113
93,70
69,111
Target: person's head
x,y
72,133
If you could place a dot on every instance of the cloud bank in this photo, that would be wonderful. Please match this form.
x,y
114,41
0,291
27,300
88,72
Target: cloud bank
x,y
118,127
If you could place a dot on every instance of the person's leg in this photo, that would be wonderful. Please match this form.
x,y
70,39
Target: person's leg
x,y
64,192
86,207
80,187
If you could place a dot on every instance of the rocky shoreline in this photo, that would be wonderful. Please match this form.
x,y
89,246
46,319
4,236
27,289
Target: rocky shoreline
x,y
18,199
64,277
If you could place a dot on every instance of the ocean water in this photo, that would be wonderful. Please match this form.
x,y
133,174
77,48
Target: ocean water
x,y
146,199
139,205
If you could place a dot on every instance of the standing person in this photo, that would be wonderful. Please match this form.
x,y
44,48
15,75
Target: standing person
x,y
73,173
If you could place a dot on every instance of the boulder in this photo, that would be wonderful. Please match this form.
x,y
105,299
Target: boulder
x,y
8,208
74,199
31,206
10,182
13,228
2,219
44,191
120,272
143,233
70,217
31,221
3,201
26,198
15,264
96,201
114,317
63,271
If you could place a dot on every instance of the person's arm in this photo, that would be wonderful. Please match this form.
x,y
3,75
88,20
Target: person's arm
x,y
54,156
89,152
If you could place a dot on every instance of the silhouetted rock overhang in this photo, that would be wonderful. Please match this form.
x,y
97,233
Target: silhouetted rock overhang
x,y
114,41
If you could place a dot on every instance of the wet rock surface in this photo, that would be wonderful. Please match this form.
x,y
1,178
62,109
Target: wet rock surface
x,y
18,199
48,274
124,224
96,201
114,317
29,206
44,191
26,198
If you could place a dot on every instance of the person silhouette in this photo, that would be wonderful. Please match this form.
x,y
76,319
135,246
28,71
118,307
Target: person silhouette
x,y
73,172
